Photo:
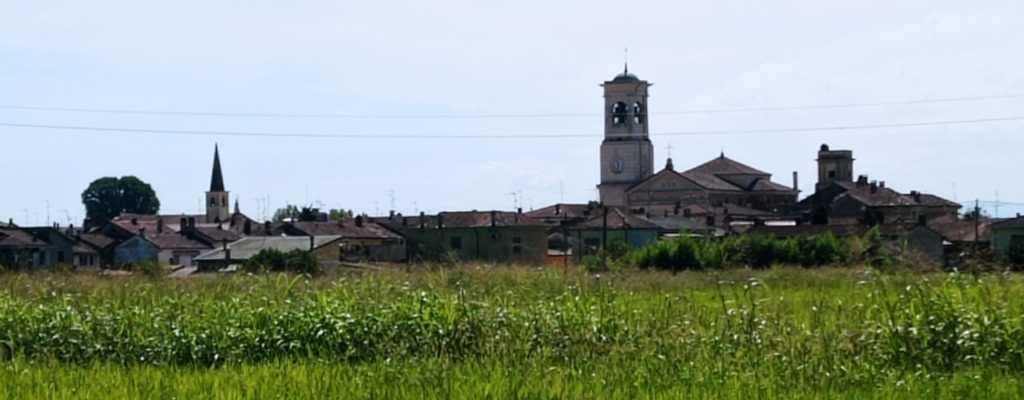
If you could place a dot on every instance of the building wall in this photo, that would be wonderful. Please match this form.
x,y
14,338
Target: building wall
x,y
492,244
588,241
1002,239
135,250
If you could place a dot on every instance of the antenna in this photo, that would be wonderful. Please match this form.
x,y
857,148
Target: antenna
x,y
25,210
515,200
997,204
66,215
391,194
47,201
625,59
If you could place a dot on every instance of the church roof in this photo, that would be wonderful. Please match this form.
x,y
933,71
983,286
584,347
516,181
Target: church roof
x,y
625,77
725,166
217,181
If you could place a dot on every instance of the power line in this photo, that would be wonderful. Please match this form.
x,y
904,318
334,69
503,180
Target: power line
x,y
504,136
473,116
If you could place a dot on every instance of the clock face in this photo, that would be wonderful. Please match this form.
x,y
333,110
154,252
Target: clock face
x,y
618,165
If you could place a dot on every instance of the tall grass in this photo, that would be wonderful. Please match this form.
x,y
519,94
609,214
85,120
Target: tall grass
x,y
521,332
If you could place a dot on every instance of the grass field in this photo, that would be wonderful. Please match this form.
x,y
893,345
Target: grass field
x,y
479,332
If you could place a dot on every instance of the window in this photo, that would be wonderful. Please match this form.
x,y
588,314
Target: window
x,y
456,243
831,174
60,256
213,201
517,244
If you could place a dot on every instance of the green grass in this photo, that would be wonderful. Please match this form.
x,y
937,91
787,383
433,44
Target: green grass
x,y
514,333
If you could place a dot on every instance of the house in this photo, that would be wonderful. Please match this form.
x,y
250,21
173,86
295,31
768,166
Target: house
x,y
327,248
20,249
492,236
361,238
1008,240
597,231
839,199
61,247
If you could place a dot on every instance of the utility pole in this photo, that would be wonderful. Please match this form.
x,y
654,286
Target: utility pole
x,y
604,239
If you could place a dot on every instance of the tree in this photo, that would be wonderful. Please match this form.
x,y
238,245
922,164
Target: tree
x,y
108,197
289,211
339,213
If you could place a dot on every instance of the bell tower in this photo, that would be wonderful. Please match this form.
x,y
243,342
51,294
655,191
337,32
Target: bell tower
x,y
217,205
627,155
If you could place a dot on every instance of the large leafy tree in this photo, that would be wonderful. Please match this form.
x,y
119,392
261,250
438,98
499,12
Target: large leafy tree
x,y
108,197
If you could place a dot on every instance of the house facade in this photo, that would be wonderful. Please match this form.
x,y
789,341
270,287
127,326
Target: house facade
x,y
491,236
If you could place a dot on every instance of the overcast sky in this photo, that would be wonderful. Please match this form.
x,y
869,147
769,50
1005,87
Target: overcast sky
x,y
369,68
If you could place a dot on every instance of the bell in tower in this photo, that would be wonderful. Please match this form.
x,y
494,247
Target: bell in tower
x,y
627,155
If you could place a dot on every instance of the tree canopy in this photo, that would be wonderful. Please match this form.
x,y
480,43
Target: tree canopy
x,y
108,197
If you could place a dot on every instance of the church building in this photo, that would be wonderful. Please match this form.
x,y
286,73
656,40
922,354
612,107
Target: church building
x,y
217,205
627,160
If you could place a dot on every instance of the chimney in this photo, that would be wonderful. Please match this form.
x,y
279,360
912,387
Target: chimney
x,y
423,219
881,184
917,196
183,225
142,231
440,220
874,187
405,221
862,180
159,225
392,215
191,224
558,209
359,221
796,182
227,251
135,221
494,218
267,227
312,243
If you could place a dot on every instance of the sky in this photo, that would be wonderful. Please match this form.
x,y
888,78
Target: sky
x,y
459,105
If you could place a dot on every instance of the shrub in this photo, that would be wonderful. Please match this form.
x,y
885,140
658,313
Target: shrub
x,y
297,261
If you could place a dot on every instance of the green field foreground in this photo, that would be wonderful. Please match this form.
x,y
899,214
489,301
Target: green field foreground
x,y
514,332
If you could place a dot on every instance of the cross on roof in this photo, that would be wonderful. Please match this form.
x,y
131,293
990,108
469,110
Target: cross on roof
x,y
669,149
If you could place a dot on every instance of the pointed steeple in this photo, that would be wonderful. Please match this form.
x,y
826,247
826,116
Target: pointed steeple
x,y
217,181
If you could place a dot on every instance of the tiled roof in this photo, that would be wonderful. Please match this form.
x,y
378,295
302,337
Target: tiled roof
x,y
248,247
567,211
886,197
1010,223
962,230
346,228
617,219
97,239
15,237
175,241
723,165
478,219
